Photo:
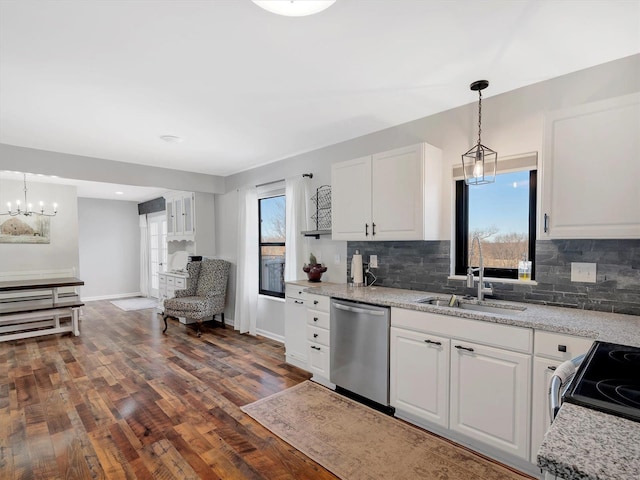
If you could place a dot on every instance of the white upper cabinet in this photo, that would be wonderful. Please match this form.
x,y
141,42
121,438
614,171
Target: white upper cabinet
x,y
394,195
190,219
591,167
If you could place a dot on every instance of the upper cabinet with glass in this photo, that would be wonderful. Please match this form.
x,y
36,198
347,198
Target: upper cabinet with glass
x,y
190,219
591,171
394,195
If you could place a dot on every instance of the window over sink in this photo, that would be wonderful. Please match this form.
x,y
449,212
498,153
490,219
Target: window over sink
x,y
502,215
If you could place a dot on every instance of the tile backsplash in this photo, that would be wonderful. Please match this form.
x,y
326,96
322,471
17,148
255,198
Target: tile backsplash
x,y
424,265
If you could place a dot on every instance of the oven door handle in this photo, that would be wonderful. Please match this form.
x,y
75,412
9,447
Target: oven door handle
x,y
561,377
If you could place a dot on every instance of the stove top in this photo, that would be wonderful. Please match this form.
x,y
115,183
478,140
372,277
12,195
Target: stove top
x,y
608,379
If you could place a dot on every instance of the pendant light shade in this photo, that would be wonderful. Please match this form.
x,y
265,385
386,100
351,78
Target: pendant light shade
x,y
479,163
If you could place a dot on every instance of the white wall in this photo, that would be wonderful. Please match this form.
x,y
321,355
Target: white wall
x,y
512,123
62,252
109,245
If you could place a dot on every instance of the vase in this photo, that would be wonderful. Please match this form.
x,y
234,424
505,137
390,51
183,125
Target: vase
x,y
314,272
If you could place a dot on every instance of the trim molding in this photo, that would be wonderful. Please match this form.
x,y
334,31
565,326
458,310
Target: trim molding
x,y
112,297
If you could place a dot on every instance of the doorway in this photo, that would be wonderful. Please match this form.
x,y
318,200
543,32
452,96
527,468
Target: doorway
x,y
157,250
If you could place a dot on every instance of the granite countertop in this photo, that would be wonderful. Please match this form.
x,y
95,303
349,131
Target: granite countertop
x,y
608,327
582,444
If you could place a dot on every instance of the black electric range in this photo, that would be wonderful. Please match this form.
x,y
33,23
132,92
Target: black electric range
x,y
608,379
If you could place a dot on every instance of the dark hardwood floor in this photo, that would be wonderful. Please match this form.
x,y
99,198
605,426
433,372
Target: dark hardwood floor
x,y
123,400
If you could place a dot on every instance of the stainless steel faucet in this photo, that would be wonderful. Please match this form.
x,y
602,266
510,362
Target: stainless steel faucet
x,y
480,270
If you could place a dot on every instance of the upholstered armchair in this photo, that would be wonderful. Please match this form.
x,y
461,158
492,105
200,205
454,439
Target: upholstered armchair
x,y
205,297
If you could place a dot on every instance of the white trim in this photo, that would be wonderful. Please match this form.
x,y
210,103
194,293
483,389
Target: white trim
x,y
112,297
270,335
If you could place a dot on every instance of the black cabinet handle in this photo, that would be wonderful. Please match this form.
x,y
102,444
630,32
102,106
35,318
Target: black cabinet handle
x,y
552,368
433,343
315,335
298,302
562,348
315,302
373,229
315,348
315,319
546,223
460,347
366,229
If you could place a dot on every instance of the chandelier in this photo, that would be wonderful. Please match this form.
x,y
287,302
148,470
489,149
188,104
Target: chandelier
x,y
27,209
479,163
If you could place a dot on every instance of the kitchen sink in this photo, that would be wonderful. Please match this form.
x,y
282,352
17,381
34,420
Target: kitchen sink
x,y
478,307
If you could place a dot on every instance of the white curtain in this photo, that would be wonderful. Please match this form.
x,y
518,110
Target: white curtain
x,y
296,221
144,256
247,262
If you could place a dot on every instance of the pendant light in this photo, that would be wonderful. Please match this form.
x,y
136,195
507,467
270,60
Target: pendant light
x,y
479,163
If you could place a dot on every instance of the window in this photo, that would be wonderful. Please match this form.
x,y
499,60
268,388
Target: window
x,y
271,212
503,215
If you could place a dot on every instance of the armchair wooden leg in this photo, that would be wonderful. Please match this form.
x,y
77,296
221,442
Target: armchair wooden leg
x,y
223,324
164,317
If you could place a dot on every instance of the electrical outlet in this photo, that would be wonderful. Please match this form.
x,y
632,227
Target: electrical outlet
x,y
583,272
373,261
336,259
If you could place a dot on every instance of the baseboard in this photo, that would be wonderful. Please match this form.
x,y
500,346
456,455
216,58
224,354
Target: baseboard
x,y
270,335
112,297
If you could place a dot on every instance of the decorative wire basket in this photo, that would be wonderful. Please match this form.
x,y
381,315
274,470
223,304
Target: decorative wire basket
x,y
322,201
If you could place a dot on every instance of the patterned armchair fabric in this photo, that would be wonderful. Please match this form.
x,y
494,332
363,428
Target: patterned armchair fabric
x,y
205,297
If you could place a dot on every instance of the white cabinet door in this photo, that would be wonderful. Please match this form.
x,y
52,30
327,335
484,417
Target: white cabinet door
x,y
351,199
419,375
319,360
490,396
591,170
397,179
295,331
187,213
171,218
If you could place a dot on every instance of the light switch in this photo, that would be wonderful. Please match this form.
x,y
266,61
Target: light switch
x,y
336,259
583,272
373,261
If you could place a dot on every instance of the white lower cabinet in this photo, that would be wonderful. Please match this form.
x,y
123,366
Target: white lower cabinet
x,y
471,377
550,350
490,390
318,325
295,326
420,375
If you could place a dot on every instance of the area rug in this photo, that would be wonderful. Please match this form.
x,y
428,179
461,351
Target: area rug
x,y
355,442
139,303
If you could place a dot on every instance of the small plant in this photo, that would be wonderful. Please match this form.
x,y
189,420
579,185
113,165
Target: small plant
x,y
314,270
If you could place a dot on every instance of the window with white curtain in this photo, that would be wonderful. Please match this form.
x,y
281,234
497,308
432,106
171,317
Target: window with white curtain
x,y
272,235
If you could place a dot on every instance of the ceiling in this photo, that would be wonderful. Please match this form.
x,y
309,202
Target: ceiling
x,y
244,87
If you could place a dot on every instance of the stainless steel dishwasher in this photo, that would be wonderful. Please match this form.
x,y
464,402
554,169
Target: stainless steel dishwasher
x,y
360,349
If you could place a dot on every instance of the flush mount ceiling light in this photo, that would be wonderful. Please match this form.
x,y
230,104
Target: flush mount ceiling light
x,y
479,163
294,8
171,138
28,207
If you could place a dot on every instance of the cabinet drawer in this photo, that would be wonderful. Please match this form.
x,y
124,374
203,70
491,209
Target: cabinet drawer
x,y
319,360
296,291
171,281
180,283
162,279
317,302
559,346
518,339
318,335
318,319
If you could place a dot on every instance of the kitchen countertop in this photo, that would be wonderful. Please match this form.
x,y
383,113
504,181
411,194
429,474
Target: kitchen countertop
x,y
582,443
